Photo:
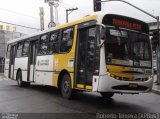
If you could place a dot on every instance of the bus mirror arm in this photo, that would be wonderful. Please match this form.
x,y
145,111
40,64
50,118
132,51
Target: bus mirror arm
x,y
103,33
102,36
100,45
102,28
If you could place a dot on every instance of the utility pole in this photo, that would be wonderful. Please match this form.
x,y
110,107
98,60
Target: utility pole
x,y
56,12
158,54
69,10
41,18
51,4
51,12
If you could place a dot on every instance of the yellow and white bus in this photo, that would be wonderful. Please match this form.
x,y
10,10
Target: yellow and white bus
x,y
104,53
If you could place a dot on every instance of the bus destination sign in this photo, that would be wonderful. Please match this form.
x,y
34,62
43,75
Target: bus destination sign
x,y
127,24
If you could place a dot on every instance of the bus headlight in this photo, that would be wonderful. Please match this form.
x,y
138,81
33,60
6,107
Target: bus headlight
x,y
150,77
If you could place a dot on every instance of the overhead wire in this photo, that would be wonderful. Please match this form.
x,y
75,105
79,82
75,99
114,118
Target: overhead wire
x,y
66,6
18,13
33,17
6,10
19,25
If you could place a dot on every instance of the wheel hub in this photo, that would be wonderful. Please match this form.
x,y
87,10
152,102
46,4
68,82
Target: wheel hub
x,y
66,86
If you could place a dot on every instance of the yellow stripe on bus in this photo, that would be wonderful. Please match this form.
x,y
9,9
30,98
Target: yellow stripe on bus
x,y
80,85
89,87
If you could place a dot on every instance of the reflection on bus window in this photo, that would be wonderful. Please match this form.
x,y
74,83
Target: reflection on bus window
x,y
127,46
54,42
8,51
19,49
67,39
43,50
25,49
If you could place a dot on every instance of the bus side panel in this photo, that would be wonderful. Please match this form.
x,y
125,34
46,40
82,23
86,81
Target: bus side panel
x,y
44,70
12,75
65,62
6,69
21,63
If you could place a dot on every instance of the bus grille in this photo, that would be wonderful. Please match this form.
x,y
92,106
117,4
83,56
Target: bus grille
x,y
128,79
127,87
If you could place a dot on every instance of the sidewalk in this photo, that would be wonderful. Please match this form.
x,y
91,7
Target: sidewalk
x,y
2,77
156,88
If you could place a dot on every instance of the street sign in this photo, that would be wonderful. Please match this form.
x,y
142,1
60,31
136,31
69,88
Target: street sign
x,y
51,24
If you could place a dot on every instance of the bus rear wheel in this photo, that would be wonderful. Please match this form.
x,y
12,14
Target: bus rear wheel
x,y
107,94
66,88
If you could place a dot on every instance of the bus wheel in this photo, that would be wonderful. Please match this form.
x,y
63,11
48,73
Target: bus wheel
x,y
107,94
66,88
19,80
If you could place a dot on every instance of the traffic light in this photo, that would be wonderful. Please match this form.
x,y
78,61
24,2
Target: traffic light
x,y
155,39
97,5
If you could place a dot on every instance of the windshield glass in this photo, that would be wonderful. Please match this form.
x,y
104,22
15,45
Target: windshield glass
x,y
124,47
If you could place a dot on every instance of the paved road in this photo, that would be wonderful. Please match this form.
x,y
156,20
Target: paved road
x,y
43,99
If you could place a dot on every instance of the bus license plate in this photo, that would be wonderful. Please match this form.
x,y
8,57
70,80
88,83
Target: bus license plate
x,y
133,85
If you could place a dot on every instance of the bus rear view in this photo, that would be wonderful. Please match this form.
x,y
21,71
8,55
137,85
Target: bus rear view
x,y
125,57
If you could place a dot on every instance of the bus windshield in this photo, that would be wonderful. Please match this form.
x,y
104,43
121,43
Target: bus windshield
x,y
126,47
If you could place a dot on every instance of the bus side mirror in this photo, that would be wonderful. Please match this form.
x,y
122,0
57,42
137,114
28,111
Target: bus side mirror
x,y
103,33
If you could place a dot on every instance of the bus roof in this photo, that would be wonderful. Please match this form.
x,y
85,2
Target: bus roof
x,y
95,16
84,19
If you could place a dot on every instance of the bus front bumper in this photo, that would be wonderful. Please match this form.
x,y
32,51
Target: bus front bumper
x,y
110,84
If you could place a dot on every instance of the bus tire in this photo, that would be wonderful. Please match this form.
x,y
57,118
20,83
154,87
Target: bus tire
x,y
66,87
19,80
107,94
27,84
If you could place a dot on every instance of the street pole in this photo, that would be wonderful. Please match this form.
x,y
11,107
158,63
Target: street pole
x,y
41,18
158,54
66,16
56,13
71,10
132,6
51,13
51,4
157,19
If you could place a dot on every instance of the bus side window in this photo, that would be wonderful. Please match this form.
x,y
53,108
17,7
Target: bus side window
x,y
67,39
54,42
8,51
19,49
25,49
43,46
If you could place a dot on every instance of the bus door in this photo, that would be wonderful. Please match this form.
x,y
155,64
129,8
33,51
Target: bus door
x,y
12,61
85,54
32,60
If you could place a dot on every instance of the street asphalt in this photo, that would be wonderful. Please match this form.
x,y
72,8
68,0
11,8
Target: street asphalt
x,y
44,102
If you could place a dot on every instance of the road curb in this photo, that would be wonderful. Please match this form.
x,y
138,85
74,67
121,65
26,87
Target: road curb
x,y
156,91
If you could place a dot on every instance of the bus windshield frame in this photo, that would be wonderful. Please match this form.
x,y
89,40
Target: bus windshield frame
x,y
125,47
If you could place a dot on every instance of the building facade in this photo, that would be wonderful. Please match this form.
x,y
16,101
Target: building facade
x,y
4,37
